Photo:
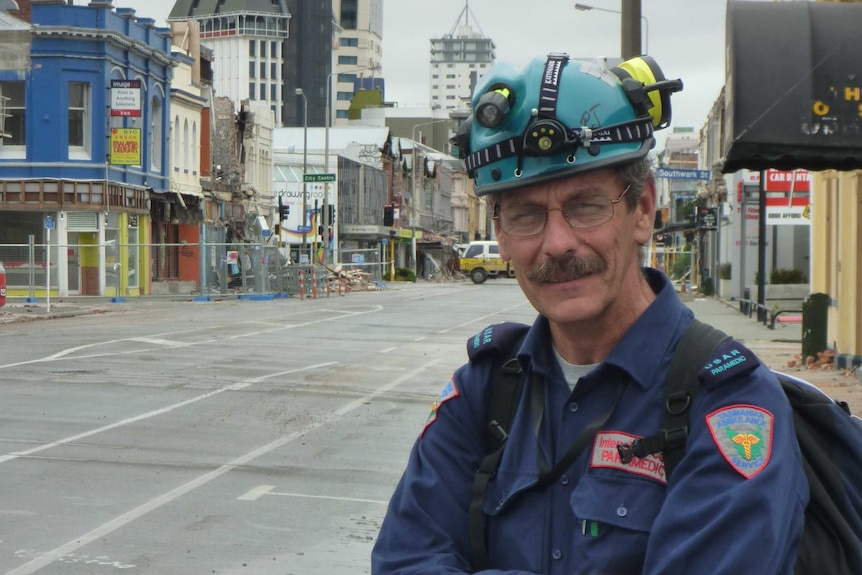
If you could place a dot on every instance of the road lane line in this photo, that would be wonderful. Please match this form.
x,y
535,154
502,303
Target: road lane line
x,y
126,518
66,353
232,387
483,317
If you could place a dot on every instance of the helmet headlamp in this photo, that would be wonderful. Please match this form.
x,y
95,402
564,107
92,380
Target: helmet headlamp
x,y
545,137
492,107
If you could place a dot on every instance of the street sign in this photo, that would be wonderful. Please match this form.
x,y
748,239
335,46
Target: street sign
x,y
49,222
680,174
317,178
707,219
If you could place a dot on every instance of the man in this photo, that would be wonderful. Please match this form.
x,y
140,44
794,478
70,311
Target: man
x,y
562,158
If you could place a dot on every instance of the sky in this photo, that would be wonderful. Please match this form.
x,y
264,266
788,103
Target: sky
x,y
686,38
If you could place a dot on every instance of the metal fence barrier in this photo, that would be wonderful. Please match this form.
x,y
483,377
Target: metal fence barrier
x,y
112,269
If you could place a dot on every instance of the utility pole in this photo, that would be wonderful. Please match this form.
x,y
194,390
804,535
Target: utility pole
x,y
630,28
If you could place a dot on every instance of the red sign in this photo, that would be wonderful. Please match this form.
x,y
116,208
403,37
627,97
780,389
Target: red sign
x,y
781,181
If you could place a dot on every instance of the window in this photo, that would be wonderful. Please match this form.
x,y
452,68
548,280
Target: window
x,y
252,69
12,105
251,91
273,49
177,143
156,134
251,47
341,114
195,148
348,60
346,78
345,96
79,120
187,144
349,42
273,92
263,70
273,71
263,49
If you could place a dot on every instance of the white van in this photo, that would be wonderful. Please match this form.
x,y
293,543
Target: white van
x,y
482,260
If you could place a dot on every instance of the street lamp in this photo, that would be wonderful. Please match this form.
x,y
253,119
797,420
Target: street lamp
x,y
586,8
327,123
299,92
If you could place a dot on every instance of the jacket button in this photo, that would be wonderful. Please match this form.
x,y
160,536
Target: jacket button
x,y
622,511
573,407
564,479
557,554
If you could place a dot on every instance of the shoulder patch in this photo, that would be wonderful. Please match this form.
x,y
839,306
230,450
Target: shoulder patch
x,y
743,434
731,359
449,392
497,337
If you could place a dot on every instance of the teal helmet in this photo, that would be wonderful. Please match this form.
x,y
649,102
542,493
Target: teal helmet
x,y
558,117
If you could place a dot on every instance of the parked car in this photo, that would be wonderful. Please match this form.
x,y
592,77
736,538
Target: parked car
x,y
482,260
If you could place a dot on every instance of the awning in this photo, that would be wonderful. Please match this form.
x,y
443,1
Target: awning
x,y
793,86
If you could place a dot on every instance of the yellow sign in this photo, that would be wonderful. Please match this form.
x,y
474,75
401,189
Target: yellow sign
x,y
126,146
806,212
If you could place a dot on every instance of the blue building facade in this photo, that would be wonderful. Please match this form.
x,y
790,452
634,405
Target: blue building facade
x,y
84,157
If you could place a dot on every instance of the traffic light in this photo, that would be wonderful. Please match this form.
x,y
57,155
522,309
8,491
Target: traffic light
x,y
388,215
276,230
330,214
283,210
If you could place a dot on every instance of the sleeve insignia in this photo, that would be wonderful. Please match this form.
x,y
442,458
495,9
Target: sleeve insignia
x,y
743,434
449,392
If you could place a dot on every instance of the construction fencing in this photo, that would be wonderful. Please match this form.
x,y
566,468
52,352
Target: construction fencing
x,y
112,269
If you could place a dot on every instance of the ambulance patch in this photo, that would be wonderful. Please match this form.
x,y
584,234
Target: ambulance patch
x,y
743,434
605,454
449,392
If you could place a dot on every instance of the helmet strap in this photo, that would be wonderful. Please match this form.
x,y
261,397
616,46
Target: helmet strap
x,y
551,85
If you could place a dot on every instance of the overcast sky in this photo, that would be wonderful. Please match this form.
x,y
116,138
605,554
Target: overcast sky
x,y
686,37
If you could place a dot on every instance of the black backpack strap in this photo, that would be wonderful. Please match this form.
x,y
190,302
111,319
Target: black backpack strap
x,y
504,393
695,347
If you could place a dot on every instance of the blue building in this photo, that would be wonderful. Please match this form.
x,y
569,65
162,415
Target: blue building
x,y
84,158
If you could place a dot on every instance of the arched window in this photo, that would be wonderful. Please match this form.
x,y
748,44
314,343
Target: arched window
x,y
186,145
176,140
196,148
156,134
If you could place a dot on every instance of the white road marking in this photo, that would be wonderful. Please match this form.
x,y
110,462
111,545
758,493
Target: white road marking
x,y
232,387
126,518
64,354
484,317
388,349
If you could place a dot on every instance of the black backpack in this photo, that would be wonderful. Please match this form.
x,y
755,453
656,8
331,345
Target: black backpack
x,y
829,437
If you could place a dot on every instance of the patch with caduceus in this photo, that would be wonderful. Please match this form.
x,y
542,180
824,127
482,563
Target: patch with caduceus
x,y
743,434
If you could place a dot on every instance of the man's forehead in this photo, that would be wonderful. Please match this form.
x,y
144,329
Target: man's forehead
x,y
600,181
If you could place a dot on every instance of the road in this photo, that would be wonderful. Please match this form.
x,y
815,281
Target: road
x,y
237,436
222,437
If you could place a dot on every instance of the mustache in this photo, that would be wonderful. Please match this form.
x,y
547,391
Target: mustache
x,y
565,270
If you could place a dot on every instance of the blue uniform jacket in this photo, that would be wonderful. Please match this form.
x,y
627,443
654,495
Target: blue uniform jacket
x,y
733,506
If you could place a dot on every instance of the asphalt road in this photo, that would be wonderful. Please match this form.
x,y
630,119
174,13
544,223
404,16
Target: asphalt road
x,y
171,437
223,437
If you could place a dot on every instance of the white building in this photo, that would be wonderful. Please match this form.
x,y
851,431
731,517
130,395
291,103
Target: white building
x,y
247,39
358,54
458,60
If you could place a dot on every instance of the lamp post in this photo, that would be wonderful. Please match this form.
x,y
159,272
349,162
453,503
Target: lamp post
x,y
299,92
587,8
327,124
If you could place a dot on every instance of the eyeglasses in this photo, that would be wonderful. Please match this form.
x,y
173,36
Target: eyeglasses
x,y
584,211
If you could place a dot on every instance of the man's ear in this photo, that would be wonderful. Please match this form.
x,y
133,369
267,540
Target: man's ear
x,y
646,213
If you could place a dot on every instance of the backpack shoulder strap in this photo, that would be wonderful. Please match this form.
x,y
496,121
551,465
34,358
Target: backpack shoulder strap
x,y
695,347
505,385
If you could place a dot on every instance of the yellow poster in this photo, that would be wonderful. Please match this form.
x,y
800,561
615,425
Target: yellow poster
x,y
126,146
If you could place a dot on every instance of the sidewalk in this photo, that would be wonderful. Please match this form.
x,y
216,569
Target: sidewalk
x,y
780,349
